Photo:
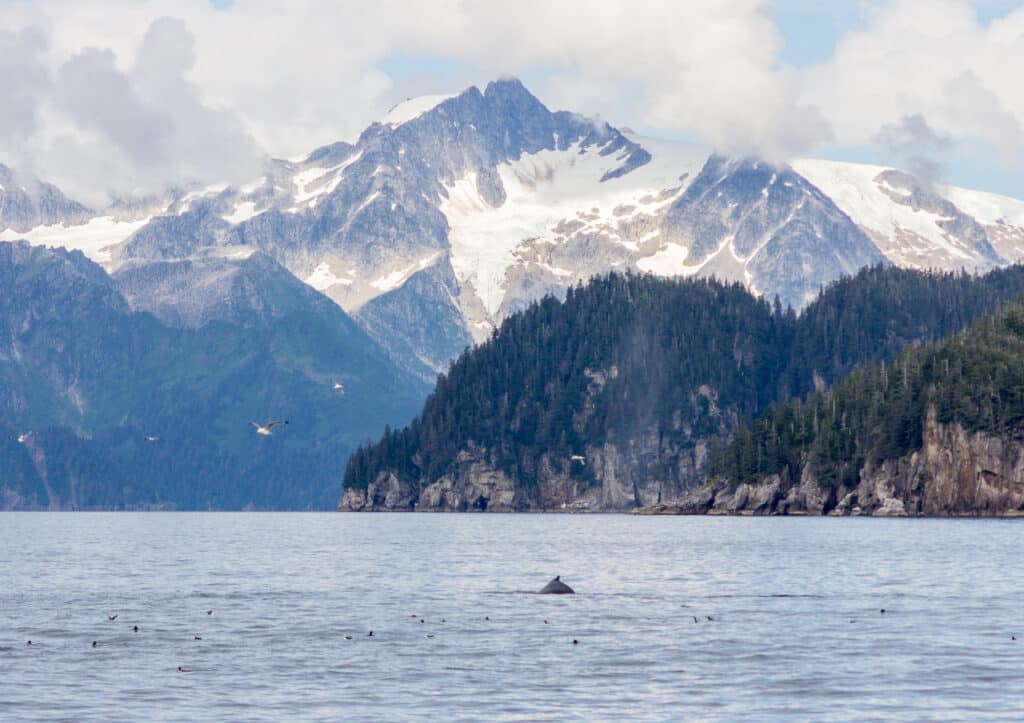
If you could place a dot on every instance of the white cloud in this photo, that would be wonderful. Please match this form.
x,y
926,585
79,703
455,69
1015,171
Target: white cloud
x,y
147,92
932,59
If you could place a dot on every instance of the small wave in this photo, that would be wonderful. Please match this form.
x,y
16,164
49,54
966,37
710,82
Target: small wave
x,y
807,596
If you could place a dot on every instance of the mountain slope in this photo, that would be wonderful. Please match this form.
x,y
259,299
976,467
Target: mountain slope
x,y
91,378
26,203
520,201
613,398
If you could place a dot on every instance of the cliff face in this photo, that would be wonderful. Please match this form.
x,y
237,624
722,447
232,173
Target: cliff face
x,y
622,481
954,473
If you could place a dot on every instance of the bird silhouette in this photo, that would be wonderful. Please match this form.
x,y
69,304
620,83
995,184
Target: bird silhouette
x,y
267,429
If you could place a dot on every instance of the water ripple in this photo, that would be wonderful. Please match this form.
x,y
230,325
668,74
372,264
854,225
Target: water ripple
x,y
795,631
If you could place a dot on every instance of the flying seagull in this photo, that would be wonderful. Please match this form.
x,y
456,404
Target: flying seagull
x,y
151,438
578,458
265,429
337,386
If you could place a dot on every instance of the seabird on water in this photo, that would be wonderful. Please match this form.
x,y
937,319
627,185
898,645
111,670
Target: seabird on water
x,y
151,438
265,429
337,386
23,437
112,618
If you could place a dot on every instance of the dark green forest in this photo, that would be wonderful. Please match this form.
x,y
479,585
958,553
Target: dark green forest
x,y
877,413
682,360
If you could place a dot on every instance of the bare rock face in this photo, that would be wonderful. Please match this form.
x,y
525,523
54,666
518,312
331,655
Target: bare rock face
x,y
955,473
968,474
386,493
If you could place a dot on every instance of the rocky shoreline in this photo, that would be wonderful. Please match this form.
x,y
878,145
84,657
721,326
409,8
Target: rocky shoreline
x,y
954,474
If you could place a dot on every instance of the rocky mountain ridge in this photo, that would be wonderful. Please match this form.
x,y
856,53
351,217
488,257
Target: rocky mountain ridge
x,y
456,211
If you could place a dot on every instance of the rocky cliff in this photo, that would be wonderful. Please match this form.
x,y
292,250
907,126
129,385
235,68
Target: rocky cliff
x,y
622,480
953,474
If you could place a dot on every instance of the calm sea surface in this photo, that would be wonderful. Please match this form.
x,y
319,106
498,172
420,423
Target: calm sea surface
x,y
796,629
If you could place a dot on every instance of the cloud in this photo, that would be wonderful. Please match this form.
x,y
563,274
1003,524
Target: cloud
x,y
916,144
101,130
25,82
926,59
149,92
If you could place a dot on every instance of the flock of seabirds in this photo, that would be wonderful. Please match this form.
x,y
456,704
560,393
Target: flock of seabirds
x,y
555,587
265,429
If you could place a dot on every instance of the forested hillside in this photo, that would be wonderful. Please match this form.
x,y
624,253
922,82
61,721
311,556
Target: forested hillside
x,y
611,398
974,379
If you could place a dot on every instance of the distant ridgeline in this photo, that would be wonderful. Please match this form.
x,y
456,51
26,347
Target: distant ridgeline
x,y
84,381
613,399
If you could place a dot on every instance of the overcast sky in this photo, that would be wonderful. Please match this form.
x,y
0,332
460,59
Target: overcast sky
x,y
128,96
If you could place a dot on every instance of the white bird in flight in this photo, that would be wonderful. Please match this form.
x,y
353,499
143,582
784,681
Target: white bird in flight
x,y
265,429
151,438
23,437
578,458
337,386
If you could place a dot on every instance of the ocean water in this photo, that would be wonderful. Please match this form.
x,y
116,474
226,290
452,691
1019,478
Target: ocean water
x,y
795,628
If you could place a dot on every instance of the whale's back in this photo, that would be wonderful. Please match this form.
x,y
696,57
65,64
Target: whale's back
x,y
557,587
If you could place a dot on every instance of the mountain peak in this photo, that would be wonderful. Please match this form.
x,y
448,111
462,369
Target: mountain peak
x,y
511,91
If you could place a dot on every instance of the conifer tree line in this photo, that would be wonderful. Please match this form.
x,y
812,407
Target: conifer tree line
x,y
682,360
877,413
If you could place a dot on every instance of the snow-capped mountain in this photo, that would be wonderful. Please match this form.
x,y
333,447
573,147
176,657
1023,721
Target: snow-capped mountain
x,y
27,203
454,211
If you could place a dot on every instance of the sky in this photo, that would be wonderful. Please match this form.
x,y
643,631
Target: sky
x,y
127,97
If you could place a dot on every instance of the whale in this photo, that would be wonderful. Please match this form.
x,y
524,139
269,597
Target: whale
x,y
556,587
